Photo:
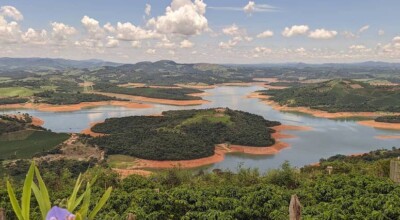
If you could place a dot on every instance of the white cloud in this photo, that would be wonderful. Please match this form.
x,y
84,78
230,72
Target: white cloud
x,y
261,51
300,50
357,47
182,17
166,44
252,7
231,30
35,37
147,10
129,32
150,51
249,8
381,32
136,44
295,30
186,44
9,31
322,34
112,42
364,28
62,31
349,35
109,28
11,12
265,34
92,27
228,45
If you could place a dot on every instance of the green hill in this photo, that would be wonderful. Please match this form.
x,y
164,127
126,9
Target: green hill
x,y
340,96
183,134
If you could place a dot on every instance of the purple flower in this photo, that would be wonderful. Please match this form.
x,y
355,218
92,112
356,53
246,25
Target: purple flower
x,y
57,213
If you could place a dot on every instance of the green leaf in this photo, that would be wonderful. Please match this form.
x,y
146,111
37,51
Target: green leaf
x,y
71,203
39,199
101,203
43,190
14,202
86,201
26,192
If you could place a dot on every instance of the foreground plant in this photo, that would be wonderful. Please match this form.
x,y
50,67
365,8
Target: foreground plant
x,y
41,193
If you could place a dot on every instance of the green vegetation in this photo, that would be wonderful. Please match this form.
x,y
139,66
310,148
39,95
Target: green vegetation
x,y
182,135
15,92
340,96
358,188
27,143
388,119
7,101
57,98
160,93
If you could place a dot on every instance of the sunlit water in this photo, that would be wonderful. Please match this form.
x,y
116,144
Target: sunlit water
x,y
328,137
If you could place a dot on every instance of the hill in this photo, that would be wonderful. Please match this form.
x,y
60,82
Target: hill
x,y
340,96
183,134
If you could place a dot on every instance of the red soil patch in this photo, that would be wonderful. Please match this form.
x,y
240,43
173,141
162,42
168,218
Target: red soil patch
x,y
125,173
154,100
380,125
384,137
75,107
37,121
88,131
314,112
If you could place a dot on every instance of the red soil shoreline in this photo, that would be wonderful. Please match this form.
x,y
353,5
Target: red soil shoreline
x,y
317,113
380,125
75,107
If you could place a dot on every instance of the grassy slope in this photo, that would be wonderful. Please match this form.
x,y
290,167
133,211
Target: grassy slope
x,y
26,143
15,91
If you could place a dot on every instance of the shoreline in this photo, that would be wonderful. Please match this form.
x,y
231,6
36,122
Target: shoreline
x,y
314,112
386,137
157,101
88,131
221,150
380,125
74,107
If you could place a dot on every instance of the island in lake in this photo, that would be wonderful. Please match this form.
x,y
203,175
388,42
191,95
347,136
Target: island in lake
x,y
182,134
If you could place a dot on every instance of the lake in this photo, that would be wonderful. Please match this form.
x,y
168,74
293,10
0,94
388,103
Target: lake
x,y
328,137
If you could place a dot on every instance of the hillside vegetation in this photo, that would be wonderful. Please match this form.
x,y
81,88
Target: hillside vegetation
x,y
388,119
183,134
340,96
359,188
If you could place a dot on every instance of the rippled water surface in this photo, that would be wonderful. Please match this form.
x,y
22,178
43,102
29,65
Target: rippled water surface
x,y
328,137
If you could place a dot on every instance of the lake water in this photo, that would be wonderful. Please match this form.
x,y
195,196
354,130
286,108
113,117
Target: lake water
x,y
328,137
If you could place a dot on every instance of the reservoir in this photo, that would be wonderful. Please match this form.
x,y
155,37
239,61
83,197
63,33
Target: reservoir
x,y
327,138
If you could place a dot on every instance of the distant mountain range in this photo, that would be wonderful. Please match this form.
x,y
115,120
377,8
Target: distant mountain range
x,y
7,63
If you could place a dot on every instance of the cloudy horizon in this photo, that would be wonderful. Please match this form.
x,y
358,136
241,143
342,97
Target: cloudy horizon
x,y
192,31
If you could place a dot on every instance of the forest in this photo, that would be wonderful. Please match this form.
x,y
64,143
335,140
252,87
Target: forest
x,y
58,98
160,93
359,188
340,96
388,119
182,134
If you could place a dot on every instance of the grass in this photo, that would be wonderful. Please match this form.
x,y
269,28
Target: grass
x,y
211,116
15,91
121,161
24,145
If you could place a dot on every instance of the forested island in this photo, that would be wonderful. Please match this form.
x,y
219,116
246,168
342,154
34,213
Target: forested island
x,y
159,93
339,96
388,119
182,134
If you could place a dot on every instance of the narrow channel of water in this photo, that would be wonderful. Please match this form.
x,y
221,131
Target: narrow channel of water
x,y
328,137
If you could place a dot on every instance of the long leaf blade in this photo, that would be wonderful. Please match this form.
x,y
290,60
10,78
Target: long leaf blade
x,y
13,200
39,199
27,192
43,190
101,203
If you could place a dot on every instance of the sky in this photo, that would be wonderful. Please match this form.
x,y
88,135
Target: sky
x,y
212,31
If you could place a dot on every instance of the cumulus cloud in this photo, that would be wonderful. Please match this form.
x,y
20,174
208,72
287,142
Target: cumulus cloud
x,y
112,42
9,31
261,51
322,34
147,10
231,30
265,34
295,30
129,32
136,44
35,36
11,12
357,47
62,32
228,45
381,32
151,51
92,27
182,17
186,44
109,28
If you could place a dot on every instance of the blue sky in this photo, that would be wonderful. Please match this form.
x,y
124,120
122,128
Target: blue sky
x,y
218,31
